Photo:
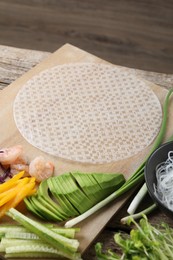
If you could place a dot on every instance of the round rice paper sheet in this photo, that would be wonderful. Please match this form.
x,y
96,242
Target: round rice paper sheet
x,y
86,112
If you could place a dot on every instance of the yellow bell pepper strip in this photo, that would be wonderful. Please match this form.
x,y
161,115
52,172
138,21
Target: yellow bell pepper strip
x,y
5,193
26,190
11,182
24,187
11,193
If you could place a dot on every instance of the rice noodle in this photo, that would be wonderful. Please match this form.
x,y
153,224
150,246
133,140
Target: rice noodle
x,y
164,188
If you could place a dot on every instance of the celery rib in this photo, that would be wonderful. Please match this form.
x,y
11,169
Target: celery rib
x,y
64,244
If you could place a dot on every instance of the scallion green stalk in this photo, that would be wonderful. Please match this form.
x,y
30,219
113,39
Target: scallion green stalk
x,y
137,199
139,214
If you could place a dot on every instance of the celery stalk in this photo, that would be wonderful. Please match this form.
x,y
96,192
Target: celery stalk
x,y
65,245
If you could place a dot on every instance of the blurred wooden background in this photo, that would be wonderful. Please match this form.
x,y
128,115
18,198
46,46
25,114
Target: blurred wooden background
x,y
134,33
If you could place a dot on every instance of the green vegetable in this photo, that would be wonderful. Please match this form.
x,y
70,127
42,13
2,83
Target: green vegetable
x,y
71,194
30,248
136,178
18,231
138,215
18,242
145,242
43,192
61,245
137,199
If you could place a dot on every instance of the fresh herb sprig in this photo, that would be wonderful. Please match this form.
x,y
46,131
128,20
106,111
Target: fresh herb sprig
x,y
145,242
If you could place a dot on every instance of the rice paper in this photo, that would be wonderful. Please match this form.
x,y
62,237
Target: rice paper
x,y
87,112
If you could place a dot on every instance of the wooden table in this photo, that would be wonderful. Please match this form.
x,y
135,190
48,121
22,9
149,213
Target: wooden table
x,y
14,63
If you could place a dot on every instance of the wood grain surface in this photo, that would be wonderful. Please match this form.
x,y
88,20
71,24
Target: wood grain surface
x,y
14,63
131,33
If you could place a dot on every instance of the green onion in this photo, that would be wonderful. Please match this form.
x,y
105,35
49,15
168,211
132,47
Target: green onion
x,y
136,178
138,215
137,199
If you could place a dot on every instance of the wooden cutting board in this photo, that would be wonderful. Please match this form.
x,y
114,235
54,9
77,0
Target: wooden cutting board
x,y
9,134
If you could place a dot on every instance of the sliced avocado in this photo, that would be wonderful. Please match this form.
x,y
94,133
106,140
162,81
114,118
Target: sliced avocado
x,y
75,194
54,184
43,191
109,180
99,185
48,206
31,207
43,211
89,185
70,194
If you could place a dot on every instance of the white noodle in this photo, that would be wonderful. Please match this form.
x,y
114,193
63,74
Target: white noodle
x,y
164,188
